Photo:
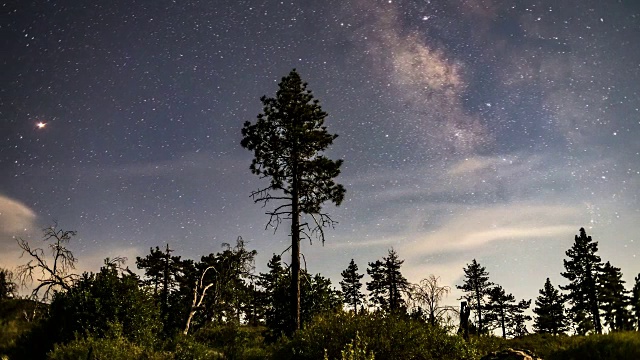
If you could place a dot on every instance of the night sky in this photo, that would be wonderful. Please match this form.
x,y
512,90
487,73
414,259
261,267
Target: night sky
x,y
468,128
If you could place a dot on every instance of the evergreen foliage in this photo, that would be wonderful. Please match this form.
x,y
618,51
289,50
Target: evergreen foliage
x,y
476,287
100,299
635,302
550,314
287,141
161,270
351,285
317,297
614,299
504,313
582,269
387,283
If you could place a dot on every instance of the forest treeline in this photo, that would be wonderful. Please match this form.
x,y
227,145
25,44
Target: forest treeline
x,y
170,300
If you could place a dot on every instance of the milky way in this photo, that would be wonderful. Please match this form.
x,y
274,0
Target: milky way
x,y
468,129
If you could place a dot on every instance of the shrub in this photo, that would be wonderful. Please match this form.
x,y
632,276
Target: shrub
x,y
114,347
389,337
237,342
97,300
617,345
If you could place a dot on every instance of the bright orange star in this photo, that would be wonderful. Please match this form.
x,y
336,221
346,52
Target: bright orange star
x,y
41,125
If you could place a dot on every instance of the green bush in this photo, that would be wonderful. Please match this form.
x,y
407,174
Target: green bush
x,y
97,300
114,346
389,337
187,348
617,345
236,342
13,322
355,350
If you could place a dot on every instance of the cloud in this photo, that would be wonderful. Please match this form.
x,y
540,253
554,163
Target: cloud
x,y
16,219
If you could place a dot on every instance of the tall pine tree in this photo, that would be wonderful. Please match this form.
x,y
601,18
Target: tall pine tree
x,y
504,313
288,140
550,316
476,287
582,269
387,283
614,299
635,302
351,286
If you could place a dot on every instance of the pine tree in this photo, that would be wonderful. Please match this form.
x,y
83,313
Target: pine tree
x,y
287,141
582,270
614,299
635,302
503,311
275,301
387,283
516,324
476,287
550,315
351,286
160,269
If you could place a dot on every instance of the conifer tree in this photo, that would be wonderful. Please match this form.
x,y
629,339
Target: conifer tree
x,y
614,299
387,283
476,287
516,324
351,286
288,140
276,287
582,269
550,316
635,302
503,311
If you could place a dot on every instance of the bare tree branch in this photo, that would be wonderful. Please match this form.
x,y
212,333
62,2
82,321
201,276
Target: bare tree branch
x,y
51,277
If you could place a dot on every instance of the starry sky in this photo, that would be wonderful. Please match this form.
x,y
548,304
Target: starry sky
x,y
469,128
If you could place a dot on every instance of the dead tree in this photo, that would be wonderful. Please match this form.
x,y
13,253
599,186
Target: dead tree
x,y
428,294
51,273
199,292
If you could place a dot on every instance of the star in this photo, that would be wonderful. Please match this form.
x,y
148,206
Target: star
x,y
41,125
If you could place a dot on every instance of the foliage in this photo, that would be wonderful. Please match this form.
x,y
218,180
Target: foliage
x,y
615,345
504,313
13,322
231,292
317,296
234,341
100,299
288,140
161,270
387,283
389,336
476,287
114,346
614,299
8,287
635,302
550,317
351,284
355,350
582,270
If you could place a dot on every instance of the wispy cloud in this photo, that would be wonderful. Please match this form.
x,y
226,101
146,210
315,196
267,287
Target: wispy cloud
x,y
16,219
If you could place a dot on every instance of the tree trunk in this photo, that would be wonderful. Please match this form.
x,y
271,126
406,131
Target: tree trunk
x,y
295,252
479,307
504,332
